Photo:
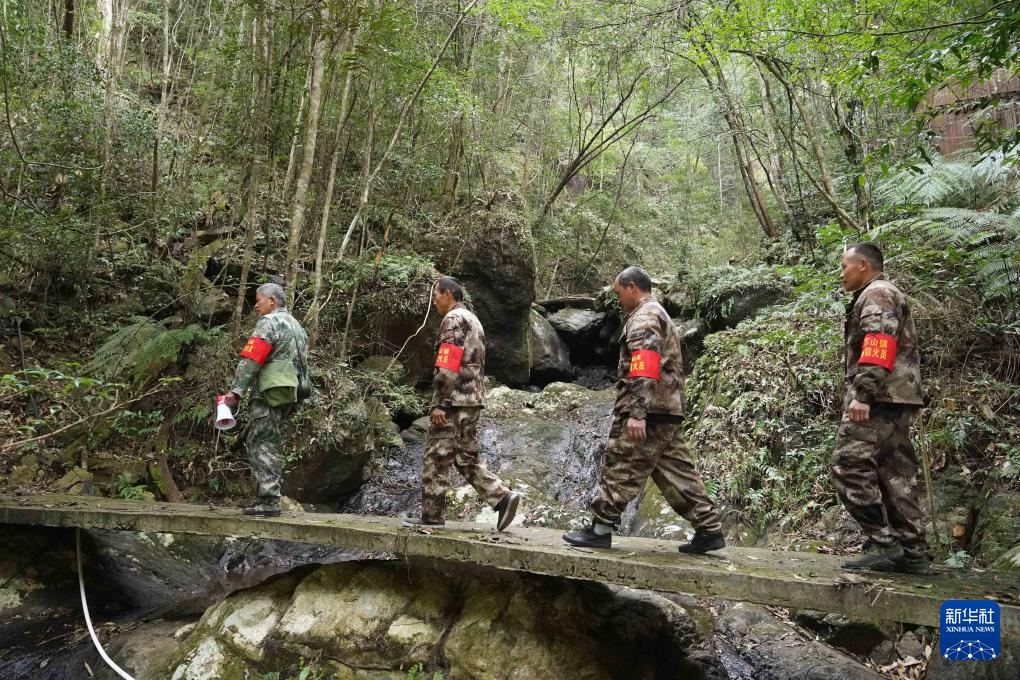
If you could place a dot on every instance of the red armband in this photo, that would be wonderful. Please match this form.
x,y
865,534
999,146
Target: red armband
x,y
257,350
449,357
644,363
878,349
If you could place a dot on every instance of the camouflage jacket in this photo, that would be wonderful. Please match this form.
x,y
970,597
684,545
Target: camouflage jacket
x,y
464,387
880,310
288,341
649,328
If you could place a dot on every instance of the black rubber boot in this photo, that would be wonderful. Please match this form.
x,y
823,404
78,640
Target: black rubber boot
x,y
507,509
702,543
874,553
263,507
918,565
587,538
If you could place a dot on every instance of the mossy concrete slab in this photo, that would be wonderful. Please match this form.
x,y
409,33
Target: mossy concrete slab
x,y
786,579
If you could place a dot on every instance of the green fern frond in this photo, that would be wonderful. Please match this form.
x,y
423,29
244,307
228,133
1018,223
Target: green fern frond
x,y
986,182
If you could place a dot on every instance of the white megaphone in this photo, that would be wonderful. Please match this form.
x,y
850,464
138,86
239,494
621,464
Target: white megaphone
x,y
224,418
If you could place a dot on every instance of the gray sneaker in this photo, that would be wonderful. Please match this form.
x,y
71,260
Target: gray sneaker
x,y
507,508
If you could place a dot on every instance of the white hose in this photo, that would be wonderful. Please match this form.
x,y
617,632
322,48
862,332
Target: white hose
x,y
88,619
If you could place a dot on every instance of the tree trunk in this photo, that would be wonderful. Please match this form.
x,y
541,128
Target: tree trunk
x,y
68,19
161,115
114,18
288,179
297,218
738,133
824,183
312,320
849,120
774,170
263,75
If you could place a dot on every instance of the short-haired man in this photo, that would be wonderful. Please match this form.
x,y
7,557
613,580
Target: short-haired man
x,y
273,361
645,438
874,467
458,396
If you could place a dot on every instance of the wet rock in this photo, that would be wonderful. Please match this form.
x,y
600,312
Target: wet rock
x,y
778,652
374,619
856,636
182,574
142,651
550,357
596,377
547,444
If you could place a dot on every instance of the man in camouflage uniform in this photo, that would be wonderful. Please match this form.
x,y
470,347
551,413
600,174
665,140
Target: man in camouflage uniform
x,y
874,467
278,337
458,396
645,438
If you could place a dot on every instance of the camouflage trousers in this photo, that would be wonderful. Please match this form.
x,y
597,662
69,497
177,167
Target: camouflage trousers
x,y
665,456
456,444
874,469
264,441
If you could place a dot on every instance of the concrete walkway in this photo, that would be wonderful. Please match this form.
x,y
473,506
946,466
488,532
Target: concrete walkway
x,y
786,579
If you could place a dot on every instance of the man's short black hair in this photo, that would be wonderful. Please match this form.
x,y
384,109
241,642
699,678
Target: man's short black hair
x,y
448,284
637,276
870,252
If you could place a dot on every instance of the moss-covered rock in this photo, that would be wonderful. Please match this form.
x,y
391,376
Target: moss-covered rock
x,y
375,620
998,531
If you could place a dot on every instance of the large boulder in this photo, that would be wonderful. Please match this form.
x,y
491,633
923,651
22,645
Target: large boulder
x,y
339,433
498,271
726,308
373,620
550,357
577,325
692,339
584,332
553,305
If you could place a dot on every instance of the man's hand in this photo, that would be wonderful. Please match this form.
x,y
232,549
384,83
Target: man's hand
x,y
438,417
859,412
636,429
231,400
